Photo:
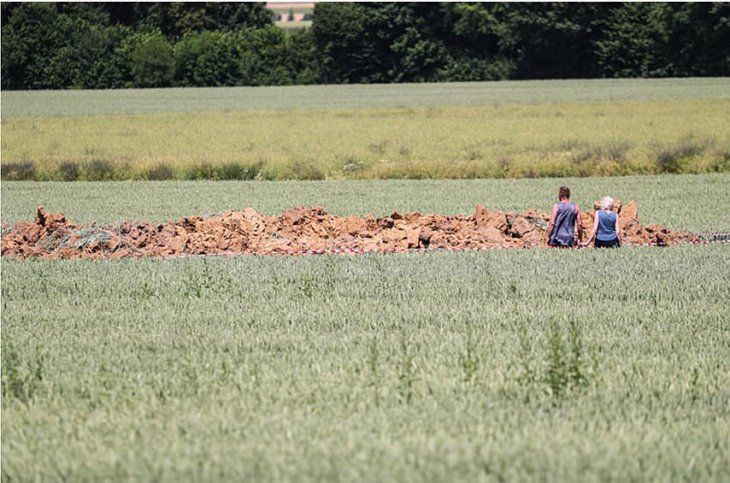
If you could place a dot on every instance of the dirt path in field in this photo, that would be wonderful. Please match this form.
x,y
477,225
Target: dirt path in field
x,y
301,231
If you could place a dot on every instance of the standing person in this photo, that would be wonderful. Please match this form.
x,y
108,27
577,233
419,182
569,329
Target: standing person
x,y
564,220
606,229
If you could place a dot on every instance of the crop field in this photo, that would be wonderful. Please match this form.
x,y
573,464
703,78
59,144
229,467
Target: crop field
x,y
79,103
551,365
535,364
416,131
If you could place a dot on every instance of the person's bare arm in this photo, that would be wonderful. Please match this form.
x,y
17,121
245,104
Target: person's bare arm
x,y
618,229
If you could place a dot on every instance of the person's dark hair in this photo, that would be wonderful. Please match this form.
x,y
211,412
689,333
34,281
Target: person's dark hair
x,y
564,193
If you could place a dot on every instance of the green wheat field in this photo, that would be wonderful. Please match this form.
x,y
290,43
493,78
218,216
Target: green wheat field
x,y
526,365
519,365
416,131
547,365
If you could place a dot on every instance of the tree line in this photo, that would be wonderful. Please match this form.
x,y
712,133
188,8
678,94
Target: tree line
x,y
121,45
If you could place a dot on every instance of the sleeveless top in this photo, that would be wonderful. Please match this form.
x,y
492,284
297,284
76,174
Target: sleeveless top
x,y
606,226
564,230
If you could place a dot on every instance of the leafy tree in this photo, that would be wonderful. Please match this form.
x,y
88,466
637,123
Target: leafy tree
x,y
110,45
261,53
554,40
697,38
32,34
92,13
176,19
206,59
374,42
300,57
151,60
478,38
631,40
339,31
104,63
44,48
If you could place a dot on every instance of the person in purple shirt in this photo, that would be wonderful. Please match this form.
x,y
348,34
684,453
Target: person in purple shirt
x,y
606,228
564,221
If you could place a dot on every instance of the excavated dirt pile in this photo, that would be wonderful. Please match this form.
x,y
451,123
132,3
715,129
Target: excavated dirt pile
x,y
302,230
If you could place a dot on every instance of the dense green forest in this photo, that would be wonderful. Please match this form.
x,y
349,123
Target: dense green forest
x,y
118,45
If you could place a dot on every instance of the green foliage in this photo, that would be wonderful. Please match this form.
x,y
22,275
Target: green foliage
x,y
102,59
101,169
407,367
46,48
386,42
37,43
629,46
232,170
107,46
212,44
336,28
151,60
160,172
21,380
199,171
259,61
695,38
235,170
406,373
267,56
672,159
206,59
69,170
470,69
304,170
469,359
178,19
565,372
21,171
98,170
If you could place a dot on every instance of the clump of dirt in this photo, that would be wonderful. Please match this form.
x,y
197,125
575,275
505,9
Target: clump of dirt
x,y
303,230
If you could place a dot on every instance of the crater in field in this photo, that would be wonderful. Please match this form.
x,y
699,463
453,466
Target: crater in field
x,y
304,230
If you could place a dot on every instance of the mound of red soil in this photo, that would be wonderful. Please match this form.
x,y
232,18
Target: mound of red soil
x,y
302,230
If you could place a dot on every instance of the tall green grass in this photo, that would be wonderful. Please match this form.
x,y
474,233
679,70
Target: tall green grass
x,y
520,137
542,364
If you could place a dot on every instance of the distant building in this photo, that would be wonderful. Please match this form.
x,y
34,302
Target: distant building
x,y
291,12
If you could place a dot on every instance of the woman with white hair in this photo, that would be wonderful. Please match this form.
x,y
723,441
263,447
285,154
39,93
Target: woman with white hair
x,y
606,229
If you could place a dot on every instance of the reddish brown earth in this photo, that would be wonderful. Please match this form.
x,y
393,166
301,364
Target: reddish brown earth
x,y
302,230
